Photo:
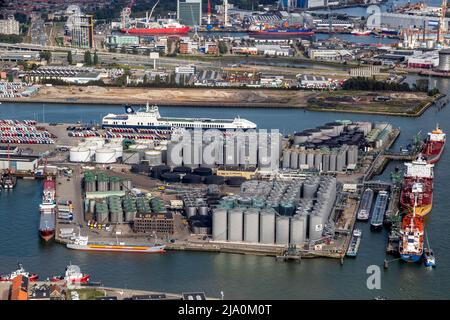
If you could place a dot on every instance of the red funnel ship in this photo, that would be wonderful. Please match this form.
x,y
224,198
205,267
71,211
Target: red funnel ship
x,y
434,145
47,209
411,241
19,272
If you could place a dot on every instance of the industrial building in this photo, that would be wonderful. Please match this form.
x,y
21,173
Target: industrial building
x,y
189,12
18,162
408,21
161,224
122,40
82,32
67,74
423,60
330,54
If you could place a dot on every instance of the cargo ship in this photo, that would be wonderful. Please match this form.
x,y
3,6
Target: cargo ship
x,y
411,236
161,27
19,272
359,32
284,30
73,274
434,145
376,223
47,209
82,243
366,205
353,248
148,117
417,181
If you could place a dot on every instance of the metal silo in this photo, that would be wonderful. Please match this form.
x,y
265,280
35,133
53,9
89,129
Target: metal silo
x,y
282,230
444,60
318,160
294,160
298,230
326,162
340,160
251,225
309,188
310,159
302,158
267,226
219,224
235,225
315,227
333,160
286,159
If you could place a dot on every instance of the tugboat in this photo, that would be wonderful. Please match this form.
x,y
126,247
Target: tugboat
x,y
73,274
19,272
428,255
8,181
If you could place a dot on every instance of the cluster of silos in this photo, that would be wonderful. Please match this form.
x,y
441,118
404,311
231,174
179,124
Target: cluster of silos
x,y
323,159
96,149
102,182
276,212
148,152
129,208
197,209
157,205
235,150
115,209
143,206
101,211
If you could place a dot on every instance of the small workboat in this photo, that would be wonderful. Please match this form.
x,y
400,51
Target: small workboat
x,y
428,255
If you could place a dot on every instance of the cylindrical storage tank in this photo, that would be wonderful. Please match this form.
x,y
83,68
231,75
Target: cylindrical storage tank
x,y
127,184
95,140
302,158
310,159
117,147
309,189
444,60
287,209
333,160
298,230
315,227
251,225
153,157
282,230
286,159
163,150
340,160
326,162
202,171
235,181
79,154
267,226
170,177
235,225
219,224
301,137
182,170
203,210
294,160
219,180
158,170
139,148
192,178
318,160
105,155
190,211
130,157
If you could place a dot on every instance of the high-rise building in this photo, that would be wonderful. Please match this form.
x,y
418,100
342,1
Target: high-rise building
x,y
83,32
9,26
189,12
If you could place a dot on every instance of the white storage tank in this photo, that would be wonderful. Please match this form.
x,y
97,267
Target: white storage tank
x,y
267,226
79,154
97,140
153,157
251,225
141,148
294,160
235,225
298,230
117,147
282,230
105,155
219,224
315,227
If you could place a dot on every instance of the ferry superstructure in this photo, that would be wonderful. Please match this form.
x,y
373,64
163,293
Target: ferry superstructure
x,y
149,118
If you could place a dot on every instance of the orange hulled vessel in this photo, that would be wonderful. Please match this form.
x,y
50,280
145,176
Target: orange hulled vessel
x,y
417,182
434,145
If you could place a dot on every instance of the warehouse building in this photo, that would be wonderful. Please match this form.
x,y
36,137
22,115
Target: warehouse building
x,y
161,224
18,162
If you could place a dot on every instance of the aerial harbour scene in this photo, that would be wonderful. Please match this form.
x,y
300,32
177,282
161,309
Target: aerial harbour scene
x,y
224,150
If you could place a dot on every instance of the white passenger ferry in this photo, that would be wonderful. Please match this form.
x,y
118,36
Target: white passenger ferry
x,y
148,117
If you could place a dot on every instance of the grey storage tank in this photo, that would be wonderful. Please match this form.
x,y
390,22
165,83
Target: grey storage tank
x,y
282,230
219,224
298,230
235,224
286,159
294,160
315,227
251,225
267,226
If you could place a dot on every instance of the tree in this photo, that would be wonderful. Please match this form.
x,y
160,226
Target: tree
x,y
69,57
11,77
45,55
157,79
87,58
96,61
223,49
145,80
123,50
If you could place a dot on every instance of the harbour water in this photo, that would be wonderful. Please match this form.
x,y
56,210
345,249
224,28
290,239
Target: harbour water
x,y
239,276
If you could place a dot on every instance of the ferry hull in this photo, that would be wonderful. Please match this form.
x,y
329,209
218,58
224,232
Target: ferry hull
x,y
157,249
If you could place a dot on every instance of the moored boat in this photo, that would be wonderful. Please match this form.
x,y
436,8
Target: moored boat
x,y
428,255
418,180
47,210
434,145
411,237
82,243
376,223
359,32
19,272
353,247
72,274
366,205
